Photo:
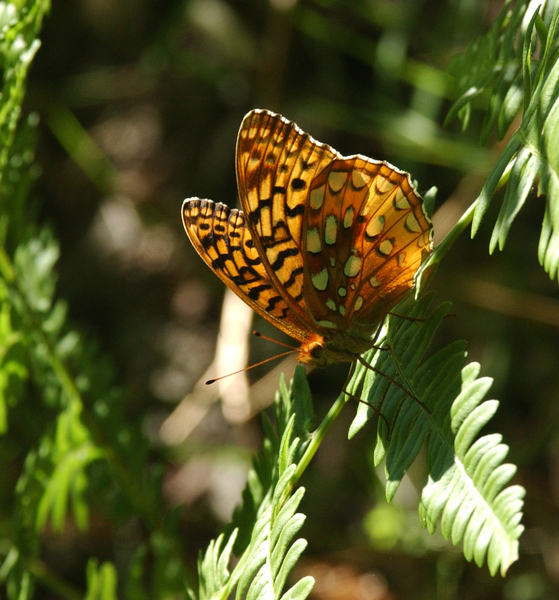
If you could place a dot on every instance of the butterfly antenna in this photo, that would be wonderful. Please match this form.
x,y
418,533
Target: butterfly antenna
x,y
269,339
262,362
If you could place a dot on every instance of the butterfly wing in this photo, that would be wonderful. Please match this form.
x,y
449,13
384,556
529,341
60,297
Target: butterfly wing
x,y
326,245
396,238
363,242
340,237
223,240
276,165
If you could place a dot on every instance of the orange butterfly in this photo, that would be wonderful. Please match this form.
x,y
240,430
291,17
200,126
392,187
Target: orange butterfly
x,y
326,245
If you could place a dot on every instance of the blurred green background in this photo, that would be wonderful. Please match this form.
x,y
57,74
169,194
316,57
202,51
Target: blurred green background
x,y
140,103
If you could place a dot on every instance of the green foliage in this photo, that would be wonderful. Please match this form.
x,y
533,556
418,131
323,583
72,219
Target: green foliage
x,y
517,76
442,407
19,27
55,474
12,370
83,454
72,452
63,373
101,581
272,462
161,556
268,517
89,426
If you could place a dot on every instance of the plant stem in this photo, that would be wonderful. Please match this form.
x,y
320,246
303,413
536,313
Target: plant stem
x,y
318,437
460,226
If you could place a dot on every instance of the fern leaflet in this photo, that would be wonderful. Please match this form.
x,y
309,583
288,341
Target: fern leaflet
x,y
443,408
518,76
270,519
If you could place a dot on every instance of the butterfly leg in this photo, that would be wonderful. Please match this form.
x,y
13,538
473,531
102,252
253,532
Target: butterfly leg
x,y
416,319
413,319
354,397
394,382
379,348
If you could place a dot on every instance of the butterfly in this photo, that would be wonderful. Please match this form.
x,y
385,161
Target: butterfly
x,y
324,246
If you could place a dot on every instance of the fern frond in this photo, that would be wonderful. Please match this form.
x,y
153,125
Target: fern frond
x,y
101,581
58,475
13,371
267,465
516,79
72,452
18,45
443,408
262,570
213,567
268,519
491,62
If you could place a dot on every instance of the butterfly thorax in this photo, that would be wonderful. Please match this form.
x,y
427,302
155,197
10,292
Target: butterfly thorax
x,y
342,347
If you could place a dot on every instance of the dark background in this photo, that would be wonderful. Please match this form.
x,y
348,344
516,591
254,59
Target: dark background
x,y
140,103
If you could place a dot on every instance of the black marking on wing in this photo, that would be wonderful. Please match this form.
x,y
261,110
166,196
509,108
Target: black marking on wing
x,y
255,292
298,209
298,184
226,246
282,256
293,277
263,203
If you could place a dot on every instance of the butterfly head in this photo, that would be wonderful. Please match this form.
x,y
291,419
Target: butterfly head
x,y
319,352
312,352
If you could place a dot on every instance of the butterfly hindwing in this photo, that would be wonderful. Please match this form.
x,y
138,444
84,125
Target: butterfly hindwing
x,y
396,239
223,240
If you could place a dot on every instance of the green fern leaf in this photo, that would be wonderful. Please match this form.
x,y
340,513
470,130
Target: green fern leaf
x,y
488,61
516,78
71,453
525,170
271,519
212,567
512,103
18,46
101,581
12,370
443,408
295,402
262,571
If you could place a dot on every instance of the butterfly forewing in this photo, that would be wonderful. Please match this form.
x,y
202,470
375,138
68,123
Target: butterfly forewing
x,y
276,164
